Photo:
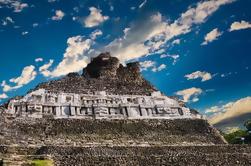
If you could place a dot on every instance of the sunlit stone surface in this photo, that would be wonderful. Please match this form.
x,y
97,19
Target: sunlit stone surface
x,y
97,105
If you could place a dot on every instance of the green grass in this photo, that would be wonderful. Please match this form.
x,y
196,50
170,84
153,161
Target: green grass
x,y
38,162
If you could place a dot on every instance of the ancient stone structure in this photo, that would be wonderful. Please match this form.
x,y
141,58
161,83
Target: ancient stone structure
x,y
109,115
76,102
98,105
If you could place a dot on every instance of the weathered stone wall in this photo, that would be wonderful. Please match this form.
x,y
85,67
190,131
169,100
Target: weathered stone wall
x,y
108,132
165,155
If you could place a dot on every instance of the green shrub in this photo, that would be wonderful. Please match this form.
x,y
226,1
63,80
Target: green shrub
x,y
38,162
235,137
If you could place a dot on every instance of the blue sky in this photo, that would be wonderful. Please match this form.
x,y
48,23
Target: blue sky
x,y
198,50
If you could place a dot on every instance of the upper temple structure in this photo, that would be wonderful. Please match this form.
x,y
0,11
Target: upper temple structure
x,y
106,89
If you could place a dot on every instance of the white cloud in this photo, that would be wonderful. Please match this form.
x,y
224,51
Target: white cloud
x,y
160,68
211,36
190,95
200,13
59,14
95,34
7,20
145,65
175,57
75,56
143,4
140,39
17,5
7,88
44,69
35,25
3,96
177,41
227,74
25,33
230,110
156,31
28,74
10,20
39,60
205,76
95,18
239,26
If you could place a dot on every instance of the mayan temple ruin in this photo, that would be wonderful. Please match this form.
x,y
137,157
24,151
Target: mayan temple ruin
x,y
109,115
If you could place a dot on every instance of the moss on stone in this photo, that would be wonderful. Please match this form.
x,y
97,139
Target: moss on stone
x,y
39,162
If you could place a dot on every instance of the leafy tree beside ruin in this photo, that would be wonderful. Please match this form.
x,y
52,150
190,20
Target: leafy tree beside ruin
x,y
240,136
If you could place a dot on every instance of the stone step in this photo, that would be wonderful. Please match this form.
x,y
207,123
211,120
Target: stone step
x,y
20,160
14,160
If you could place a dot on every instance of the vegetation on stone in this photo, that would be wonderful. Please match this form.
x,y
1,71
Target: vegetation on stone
x,y
38,162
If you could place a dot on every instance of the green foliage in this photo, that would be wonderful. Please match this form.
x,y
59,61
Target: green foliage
x,y
247,124
236,137
38,162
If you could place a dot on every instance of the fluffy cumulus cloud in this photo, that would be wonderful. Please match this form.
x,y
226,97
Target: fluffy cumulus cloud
x,y
44,69
211,36
16,5
205,76
95,18
95,34
239,25
145,65
3,96
151,35
230,111
28,74
74,57
139,39
59,14
39,60
159,68
190,95
7,88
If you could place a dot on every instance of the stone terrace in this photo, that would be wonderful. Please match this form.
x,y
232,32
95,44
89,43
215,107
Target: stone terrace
x,y
122,155
87,132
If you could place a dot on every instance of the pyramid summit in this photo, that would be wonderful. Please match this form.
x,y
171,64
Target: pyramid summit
x,y
103,73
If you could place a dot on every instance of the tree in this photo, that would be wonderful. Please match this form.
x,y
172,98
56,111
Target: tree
x,y
240,136
247,124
